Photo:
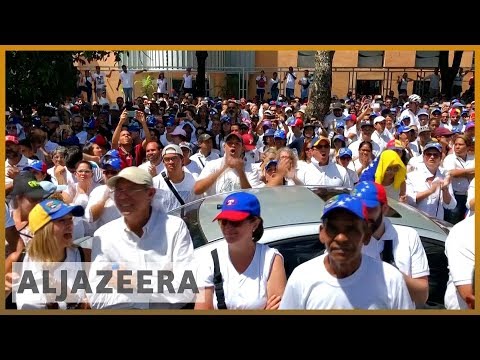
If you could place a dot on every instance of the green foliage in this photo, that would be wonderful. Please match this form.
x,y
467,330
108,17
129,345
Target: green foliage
x,y
148,84
45,76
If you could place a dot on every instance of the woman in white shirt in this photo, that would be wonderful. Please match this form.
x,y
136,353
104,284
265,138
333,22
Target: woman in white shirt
x,y
253,274
51,224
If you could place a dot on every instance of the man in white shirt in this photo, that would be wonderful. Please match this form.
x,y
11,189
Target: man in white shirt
x,y
289,79
154,164
323,171
401,244
126,79
344,278
174,184
99,82
228,173
15,162
460,252
144,239
205,153
187,82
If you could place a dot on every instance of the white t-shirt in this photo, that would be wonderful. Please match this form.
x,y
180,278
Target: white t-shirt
x,y
331,174
375,285
127,79
100,80
452,162
290,81
229,179
184,189
242,291
460,251
162,86
28,300
187,81
408,252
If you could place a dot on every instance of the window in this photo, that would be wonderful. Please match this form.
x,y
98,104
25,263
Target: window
x,y
370,59
438,263
306,59
368,87
427,59
296,251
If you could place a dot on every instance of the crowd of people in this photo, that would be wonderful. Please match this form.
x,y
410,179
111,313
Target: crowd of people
x,y
116,170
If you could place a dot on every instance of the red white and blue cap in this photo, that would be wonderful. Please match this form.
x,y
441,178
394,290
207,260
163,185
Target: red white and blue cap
x,y
346,202
239,206
113,162
37,165
371,193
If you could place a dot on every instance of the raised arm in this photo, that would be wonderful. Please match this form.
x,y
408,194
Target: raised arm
x,y
118,129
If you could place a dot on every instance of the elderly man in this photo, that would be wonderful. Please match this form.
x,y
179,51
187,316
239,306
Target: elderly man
x,y
143,237
344,278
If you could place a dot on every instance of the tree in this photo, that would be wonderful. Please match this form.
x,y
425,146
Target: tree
x,y
448,73
200,81
45,76
321,87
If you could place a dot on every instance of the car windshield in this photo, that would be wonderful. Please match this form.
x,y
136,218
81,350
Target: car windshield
x,y
292,205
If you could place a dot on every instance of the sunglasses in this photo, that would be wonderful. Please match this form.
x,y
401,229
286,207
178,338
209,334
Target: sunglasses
x,y
322,147
429,155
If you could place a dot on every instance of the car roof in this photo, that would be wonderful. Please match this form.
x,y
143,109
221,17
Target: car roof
x,y
283,206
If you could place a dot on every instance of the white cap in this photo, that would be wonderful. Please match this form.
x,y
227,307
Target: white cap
x,y
378,119
133,174
179,131
172,149
288,108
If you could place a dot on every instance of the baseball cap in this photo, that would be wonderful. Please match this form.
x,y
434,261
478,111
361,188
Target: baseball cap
x,y
186,145
204,137
178,131
469,125
134,127
378,119
238,207
337,105
365,123
351,117
433,145
346,202
297,122
339,137
248,142
395,144
340,124
404,129
112,153
172,149
269,132
99,140
280,134
320,139
114,162
26,184
51,188
235,134
423,112
441,131
49,210
226,118
271,162
37,165
371,193
343,152
170,121
134,174
437,110
11,138
424,128
267,123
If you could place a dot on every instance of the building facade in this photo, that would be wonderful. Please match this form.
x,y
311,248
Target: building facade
x,y
233,73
